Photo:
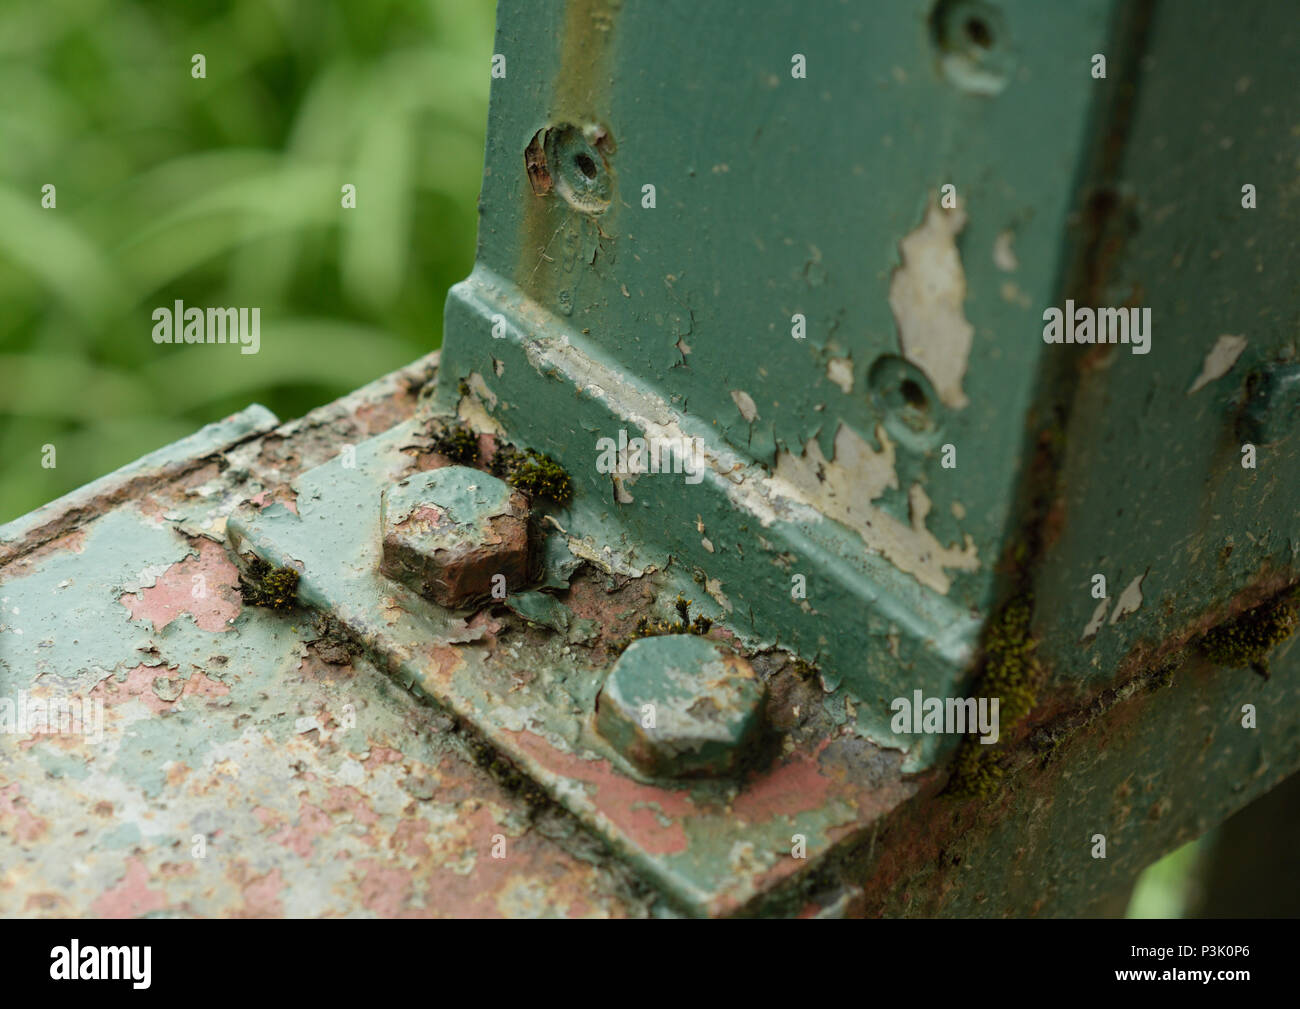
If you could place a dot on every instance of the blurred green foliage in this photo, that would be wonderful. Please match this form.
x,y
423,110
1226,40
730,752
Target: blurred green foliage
x,y
222,191
1168,888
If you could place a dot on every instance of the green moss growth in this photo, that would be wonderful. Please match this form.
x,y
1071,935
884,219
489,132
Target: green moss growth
x,y
537,475
803,669
1011,672
1248,639
505,773
457,443
647,628
263,584
977,771
1014,676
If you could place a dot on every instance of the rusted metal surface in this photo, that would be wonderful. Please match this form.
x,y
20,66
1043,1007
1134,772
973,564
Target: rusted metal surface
x,y
369,751
711,846
795,297
449,533
677,706
248,763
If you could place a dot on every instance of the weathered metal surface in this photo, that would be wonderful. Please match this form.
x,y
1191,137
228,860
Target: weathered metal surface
x,y
1150,765
1151,726
449,533
712,845
1139,717
777,196
248,763
678,706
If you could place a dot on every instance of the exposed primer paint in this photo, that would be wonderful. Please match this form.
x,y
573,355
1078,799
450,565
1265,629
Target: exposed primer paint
x,y
471,409
840,371
1130,600
804,490
859,473
1004,256
481,390
655,418
1219,361
926,296
603,558
745,404
1098,619
844,488
714,588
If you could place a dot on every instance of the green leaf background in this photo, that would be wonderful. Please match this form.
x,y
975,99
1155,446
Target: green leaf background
x,y
222,191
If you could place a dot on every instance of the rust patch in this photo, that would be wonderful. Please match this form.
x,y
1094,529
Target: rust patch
x,y
158,688
539,177
73,541
204,587
131,897
637,810
16,819
795,786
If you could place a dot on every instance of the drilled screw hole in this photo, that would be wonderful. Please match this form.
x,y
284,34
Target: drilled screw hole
x,y
977,30
585,165
913,394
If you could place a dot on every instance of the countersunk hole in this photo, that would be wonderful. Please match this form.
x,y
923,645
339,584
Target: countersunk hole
x,y
977,30
913,393
578,170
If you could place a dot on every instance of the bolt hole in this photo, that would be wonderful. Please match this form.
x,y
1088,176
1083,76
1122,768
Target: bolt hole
x,y
585,165
913,394
977,30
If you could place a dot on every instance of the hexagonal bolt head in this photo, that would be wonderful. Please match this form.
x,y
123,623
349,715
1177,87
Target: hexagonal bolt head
x,y
679,705
448,531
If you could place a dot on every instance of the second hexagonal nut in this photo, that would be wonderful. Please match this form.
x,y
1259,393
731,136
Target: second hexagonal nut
x,y
447,533
680,705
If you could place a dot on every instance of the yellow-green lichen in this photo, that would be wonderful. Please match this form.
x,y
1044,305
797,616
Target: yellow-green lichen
x,y
977,772
1248,639
264,584
457,443
1014,676
647,628
537,475
1011,672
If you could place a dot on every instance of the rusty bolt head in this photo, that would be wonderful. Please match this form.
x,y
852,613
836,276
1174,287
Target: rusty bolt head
x,y
447,532
679,705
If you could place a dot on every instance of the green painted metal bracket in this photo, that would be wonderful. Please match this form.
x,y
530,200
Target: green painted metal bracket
x,y
853,428
769,275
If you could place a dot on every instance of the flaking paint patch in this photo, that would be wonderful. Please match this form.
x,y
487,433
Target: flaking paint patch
x,y
714,588
472,411
926,296
1004,254
745,404
1098,619
131,896
202,586
840,371
844,488
791,496
1219,361
1130,600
